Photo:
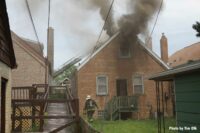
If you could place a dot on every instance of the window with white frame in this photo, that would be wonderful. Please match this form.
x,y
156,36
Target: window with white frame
x,y
138,85
102,85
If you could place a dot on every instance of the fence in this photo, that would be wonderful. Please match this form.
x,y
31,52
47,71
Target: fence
x,y
86,127
29,105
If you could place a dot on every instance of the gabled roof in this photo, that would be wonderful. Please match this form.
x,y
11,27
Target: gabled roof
x,y
28,48
153,55
150,52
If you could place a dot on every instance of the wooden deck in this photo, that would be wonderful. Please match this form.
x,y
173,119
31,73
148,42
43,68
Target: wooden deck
x,y
120,104
43,108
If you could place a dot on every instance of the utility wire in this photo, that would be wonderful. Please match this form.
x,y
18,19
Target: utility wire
x,y
49,12
34,28
105,21
155,20
96,44
48,25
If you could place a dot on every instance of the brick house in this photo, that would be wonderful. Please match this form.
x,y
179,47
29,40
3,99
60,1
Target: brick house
x,y
7,62
116,69
31,62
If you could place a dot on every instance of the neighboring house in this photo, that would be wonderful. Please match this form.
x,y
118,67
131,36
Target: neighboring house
x,y
33,68
32,65
116,69
186,80
30,61
188,54
7,62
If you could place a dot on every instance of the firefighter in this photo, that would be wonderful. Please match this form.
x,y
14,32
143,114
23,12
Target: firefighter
x,y
90,106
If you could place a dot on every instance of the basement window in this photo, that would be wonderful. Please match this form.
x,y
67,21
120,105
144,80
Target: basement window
x,y
102,85
125,51
138,85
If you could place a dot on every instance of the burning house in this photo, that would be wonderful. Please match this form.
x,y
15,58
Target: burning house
x,y
119,72
116,74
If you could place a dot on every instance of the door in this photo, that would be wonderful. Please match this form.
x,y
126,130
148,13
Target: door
x,y
121,87
3,107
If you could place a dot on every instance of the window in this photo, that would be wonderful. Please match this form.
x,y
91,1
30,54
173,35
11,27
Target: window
x,y
125,51
138,85
102,85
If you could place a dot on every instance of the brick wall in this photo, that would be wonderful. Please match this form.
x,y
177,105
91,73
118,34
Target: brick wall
x,y
5,72
30,70
107,62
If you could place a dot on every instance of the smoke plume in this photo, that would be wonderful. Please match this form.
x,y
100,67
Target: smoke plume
x,y
141,11
104,6
131,24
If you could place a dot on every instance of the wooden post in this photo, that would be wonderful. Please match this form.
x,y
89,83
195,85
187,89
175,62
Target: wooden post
x,y
111,111
77,117
41,120
13,117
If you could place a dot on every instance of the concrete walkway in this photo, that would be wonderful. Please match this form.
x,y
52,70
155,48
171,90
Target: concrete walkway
x,y
56,109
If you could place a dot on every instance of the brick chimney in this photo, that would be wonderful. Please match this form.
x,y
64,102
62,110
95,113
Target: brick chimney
x,y
148,42
164,48
50,48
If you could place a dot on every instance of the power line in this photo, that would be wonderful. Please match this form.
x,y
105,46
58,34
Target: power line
x,y
34,28
96,44
49,12
156,19
48,24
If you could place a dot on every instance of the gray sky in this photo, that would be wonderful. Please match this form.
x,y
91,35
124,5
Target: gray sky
x,y
77,25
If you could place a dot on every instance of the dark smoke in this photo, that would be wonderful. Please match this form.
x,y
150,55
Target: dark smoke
x,y
141,11
132,24
104,6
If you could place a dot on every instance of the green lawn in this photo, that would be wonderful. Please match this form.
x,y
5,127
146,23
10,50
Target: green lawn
x,y
131,126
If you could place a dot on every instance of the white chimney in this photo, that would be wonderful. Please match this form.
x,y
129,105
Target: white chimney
x,y
50,48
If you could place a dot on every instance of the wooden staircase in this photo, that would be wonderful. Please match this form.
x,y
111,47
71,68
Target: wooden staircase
x,y
120,104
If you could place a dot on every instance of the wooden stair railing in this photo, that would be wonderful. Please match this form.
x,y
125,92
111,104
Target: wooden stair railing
x,y
120,104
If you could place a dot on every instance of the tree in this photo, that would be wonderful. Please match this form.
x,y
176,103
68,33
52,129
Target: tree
x,y
197,28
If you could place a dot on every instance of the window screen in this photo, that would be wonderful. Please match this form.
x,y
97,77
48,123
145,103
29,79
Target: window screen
x,y
102,85
138,84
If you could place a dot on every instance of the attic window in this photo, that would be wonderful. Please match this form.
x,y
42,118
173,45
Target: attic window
x,y
125,51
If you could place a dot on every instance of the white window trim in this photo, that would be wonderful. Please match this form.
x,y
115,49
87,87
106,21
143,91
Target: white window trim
x,y
137,75
97,93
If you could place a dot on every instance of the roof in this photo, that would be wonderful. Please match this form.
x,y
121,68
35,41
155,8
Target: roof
x,y
28,48
66,66
189,53
150,52
11,62
169,74
35,45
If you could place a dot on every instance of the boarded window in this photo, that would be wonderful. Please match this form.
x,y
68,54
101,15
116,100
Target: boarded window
x,y
102,85
138,85
125,51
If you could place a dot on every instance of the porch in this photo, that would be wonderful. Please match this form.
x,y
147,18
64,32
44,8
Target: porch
x,y
120,104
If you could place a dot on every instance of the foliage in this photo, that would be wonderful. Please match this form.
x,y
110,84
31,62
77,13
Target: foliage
x,y
66,74
197,28
131,126
35,128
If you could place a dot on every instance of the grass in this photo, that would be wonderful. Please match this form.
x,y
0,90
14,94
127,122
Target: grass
x,y
131,126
